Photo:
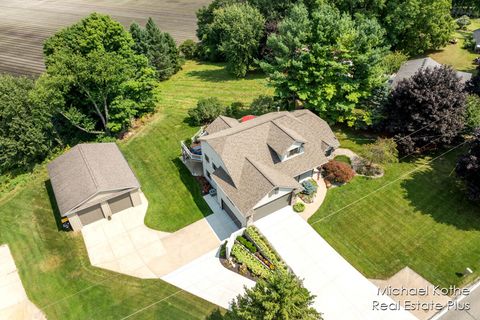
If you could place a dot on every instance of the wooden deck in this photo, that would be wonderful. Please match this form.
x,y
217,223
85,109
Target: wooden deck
x,y
25,24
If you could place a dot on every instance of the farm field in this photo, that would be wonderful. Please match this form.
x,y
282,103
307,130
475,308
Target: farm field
x,y
24,25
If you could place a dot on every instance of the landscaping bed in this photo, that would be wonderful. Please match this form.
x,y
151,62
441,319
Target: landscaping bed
x,y
251,255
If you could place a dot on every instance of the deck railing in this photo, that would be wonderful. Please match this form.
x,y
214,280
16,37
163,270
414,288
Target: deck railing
x,y
188,154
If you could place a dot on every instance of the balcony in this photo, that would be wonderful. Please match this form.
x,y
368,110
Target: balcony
x,y
192,154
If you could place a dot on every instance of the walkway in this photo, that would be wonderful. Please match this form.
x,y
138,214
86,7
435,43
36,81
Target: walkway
x,y
458,310
124,244
341,291
14,303
311,208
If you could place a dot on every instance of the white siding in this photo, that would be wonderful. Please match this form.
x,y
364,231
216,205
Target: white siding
x,y
267,199
283,157
213,158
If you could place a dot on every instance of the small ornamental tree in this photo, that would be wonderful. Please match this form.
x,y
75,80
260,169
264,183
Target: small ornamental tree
x,y
281,296
468,168
382,151
207,110
338,172
427,110
188,49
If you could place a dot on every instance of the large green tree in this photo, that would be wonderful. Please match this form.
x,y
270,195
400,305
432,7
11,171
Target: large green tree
x,y
282,296
158,46
328,61
26,131
94,78
240,28
413,26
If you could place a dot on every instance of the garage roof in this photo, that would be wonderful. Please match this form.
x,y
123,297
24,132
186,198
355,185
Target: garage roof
x,y
86,170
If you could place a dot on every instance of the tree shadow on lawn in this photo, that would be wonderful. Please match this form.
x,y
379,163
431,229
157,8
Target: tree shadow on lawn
x,y
222,75
54,205
192,186
437,192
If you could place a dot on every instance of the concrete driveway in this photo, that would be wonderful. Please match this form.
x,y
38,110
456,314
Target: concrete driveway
x,y
14,303
124,244
207,278
459,309
341,291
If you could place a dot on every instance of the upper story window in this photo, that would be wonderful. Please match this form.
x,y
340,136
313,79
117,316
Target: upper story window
x,y
209,175
207,158
273,192
214,166
295,151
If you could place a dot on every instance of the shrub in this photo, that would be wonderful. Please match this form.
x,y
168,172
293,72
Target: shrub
x,y
250,246
263,104
223,250
309,187
235,110
469,43
338,172
365,168
382,151
243,256
188,49
298,207
473,112
463,22
254,235
206,111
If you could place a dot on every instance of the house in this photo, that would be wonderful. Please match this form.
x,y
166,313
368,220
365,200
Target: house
x,y
476,39
411,67
92,182
256,167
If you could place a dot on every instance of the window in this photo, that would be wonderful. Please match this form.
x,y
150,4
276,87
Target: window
x,y
214,166
294,151
207,158
273,192
208,175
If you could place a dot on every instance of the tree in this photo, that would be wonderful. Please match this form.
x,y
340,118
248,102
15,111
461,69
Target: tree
x,y
207,110
468,168
472,120
338,172
463,22
240,28
26,131
327,61
263,104
282,296
158,46
382,152
427,110
188,49
94,79
473,85
413,26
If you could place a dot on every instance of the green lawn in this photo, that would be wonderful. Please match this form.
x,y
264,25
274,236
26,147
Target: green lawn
x,y
420,219
173,194
455,55
54,265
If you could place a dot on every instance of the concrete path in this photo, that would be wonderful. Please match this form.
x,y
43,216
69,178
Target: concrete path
x,y
341,291
14,303
345,152
124,244
407,278
311,208
207,278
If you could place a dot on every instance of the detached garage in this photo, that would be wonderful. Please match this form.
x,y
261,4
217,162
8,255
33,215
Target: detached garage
x,y
92,182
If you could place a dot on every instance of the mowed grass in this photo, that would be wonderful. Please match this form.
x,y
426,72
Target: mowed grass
x,y
54,265
416,216
57,275
174,195
455,55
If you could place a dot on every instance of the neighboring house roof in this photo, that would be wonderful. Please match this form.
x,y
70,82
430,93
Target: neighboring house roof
x,y
250,151
87,170
409,68
476,36
221,123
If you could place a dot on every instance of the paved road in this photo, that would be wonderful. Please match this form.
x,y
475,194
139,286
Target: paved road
x,y
473,314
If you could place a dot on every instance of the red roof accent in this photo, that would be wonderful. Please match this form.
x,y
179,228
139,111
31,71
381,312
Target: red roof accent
x,y
246,118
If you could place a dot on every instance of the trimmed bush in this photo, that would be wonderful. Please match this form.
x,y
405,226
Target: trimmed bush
x,y
188,49
250,246
243,256
207,110
338,172
223,250
253,234
309,187
298,207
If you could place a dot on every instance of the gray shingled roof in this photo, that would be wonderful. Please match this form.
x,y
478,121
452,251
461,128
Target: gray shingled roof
x,y
85,171
221,123
409,68
476,36
249,152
